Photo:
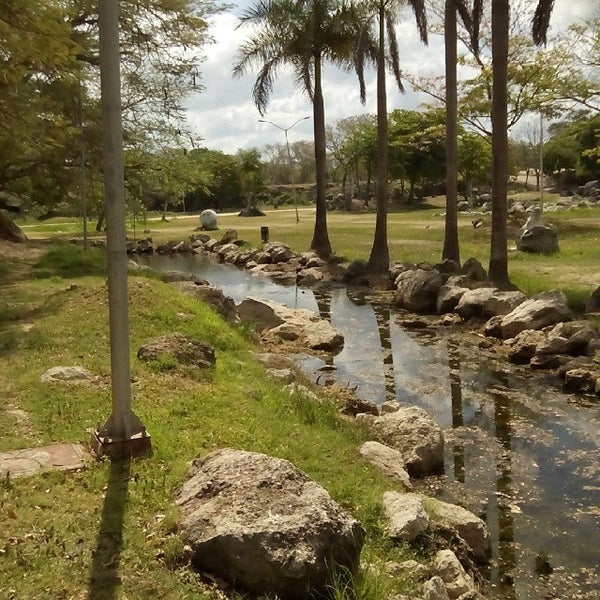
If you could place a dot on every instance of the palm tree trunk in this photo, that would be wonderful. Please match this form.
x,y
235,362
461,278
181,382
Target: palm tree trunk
x,y
498,268
320,242
451,247
379,260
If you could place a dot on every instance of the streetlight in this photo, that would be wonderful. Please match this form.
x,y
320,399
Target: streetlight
x,y
287,143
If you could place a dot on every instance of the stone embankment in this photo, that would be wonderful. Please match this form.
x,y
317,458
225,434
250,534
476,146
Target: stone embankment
x,y
540,331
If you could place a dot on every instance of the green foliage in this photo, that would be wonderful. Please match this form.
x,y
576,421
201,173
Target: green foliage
x,y
574,146
417,147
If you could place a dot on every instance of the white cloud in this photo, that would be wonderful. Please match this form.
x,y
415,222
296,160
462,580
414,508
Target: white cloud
x,y
225,117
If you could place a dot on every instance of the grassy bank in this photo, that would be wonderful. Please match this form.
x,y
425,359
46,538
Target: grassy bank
x,y
415,235
108,531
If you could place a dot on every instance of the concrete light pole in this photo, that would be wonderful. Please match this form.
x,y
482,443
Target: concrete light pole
x,y
123,434
287,143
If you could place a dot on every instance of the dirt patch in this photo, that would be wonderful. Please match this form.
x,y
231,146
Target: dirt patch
x,y
25,251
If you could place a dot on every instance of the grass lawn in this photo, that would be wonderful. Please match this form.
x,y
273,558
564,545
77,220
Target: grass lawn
x,y
109,531
414,235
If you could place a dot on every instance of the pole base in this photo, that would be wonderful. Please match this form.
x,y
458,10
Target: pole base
x,y
137,445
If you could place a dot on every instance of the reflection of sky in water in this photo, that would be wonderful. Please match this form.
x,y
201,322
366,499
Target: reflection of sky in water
x,y
526,455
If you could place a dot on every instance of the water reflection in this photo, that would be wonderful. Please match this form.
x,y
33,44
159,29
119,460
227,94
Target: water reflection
x,y
517,447
457,407
507,559
383,315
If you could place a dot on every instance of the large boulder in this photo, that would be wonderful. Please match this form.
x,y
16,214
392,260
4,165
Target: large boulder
x,y
542,310
283,324
414,433
417,290
535,236
538,240
264,525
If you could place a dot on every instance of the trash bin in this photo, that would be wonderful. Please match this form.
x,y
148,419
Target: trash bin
x,y
264,234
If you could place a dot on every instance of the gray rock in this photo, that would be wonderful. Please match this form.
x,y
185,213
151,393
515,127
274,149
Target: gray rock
x,y
417,290
434,589
264,525
474,270
406,515
448,298
469,527
535,236
502,302
413,432
472,302
214,297
542,310
539,240
280,322
592,304
388,460
455,578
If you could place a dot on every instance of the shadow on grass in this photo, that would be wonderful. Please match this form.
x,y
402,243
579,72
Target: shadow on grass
x,y
69,260
104,577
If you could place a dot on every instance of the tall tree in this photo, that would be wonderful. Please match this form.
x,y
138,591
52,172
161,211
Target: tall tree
x,y
498,265
301,34
451,249
382,16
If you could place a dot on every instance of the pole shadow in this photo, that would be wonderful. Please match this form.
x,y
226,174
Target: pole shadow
x,y
104,580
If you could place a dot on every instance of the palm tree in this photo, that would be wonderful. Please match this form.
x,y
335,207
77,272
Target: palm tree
x,y
302,34
383,14
498,266
471,20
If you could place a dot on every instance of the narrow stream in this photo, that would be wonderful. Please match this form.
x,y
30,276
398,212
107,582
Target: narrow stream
x,y
518,451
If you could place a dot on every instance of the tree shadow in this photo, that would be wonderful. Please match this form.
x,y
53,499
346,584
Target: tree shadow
x,y
104,577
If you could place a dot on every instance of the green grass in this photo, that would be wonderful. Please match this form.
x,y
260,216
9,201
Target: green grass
x,y
414,235
109,531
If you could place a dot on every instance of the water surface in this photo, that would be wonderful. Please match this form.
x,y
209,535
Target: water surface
x,y
518,451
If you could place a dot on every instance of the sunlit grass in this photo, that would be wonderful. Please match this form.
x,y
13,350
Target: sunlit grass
x,y
51,545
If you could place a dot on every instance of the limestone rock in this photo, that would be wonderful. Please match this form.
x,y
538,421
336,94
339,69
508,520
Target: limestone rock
x,y
417,290
283,323
264,525
524,345
469,527
448,298
542,310
413,432
434,589
406,515
212,296
389,460
472,302
455,578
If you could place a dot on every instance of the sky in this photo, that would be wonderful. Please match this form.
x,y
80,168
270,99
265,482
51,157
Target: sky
x,y
223,117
